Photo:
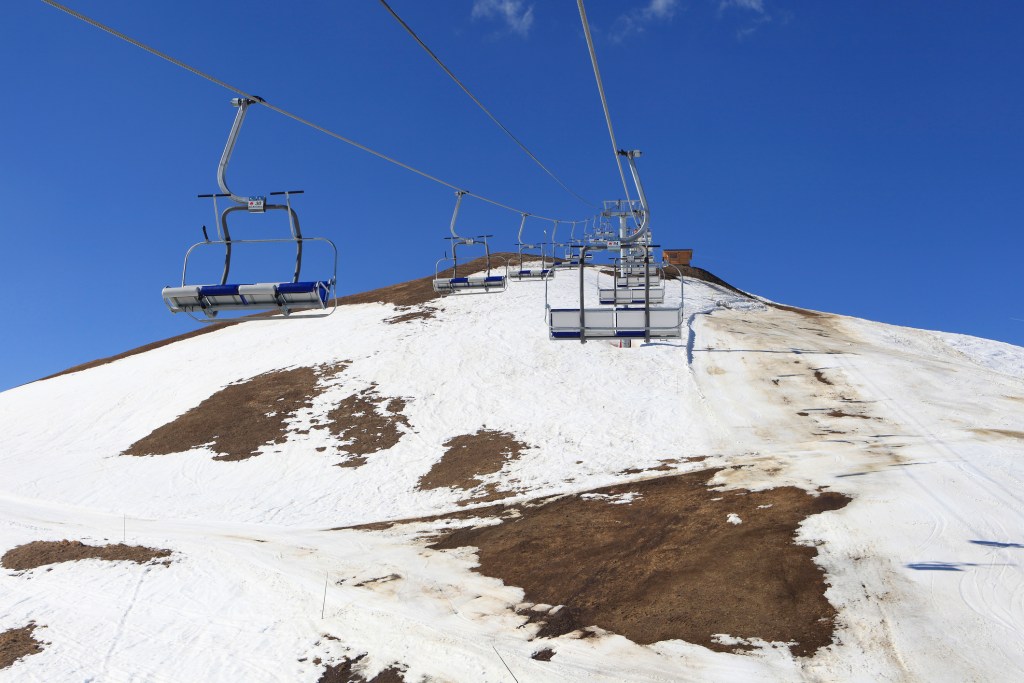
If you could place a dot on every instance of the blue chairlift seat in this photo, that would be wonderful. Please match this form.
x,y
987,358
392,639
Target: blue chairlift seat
x,y
530,273
621,296
284,296
484,283
607,323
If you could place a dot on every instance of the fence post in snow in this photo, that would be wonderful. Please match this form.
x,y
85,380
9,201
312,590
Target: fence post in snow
x,y
323,607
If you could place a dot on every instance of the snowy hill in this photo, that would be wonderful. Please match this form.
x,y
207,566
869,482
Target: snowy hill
x,y
423,489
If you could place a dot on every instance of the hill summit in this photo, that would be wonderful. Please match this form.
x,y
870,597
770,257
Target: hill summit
x,y
429,489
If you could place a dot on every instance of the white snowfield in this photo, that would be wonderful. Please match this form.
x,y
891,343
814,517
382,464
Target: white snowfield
x,y
924,565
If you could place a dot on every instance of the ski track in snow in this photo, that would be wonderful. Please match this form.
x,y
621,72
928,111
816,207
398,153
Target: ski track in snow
x,y
924,564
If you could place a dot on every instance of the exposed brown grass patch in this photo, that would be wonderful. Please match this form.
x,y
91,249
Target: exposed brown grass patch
x,y
820,376
841,413
241,418
482,511
17,643
470,457
40,553
1009,433
425,313
368,423
344,672
806,312
668,565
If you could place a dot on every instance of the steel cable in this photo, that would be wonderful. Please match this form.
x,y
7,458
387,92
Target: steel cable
x,y
600,90
279,110
480,104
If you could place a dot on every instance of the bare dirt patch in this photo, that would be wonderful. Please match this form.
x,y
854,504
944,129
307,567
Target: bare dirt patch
x,y
470,457
424,313
807,313
668,564
368,423
841,413
1009,433
820,376
667,465
16,643
240,418
39,553
344,672
500,509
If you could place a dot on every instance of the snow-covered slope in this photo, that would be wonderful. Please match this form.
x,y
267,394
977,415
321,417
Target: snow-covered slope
x,y
269,579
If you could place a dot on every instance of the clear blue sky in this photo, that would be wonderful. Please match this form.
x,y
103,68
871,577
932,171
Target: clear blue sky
x,y
864,158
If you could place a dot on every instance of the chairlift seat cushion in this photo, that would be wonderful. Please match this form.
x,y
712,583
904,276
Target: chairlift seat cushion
x,y
263,295
288,290
218,290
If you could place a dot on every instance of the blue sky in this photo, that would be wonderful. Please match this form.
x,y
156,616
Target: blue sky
x,y
864,158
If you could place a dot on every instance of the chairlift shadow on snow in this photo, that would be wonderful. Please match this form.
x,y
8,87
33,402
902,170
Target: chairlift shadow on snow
x,y
799,352
996,544
952,566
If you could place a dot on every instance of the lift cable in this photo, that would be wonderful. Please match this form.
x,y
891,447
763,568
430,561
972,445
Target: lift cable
x,y
295,117
600,89
481,105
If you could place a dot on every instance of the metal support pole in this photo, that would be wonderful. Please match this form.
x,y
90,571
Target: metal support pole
x,y
583,307
647,294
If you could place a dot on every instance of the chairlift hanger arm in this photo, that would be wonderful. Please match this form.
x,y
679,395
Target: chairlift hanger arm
x,y
644,228
455,214
522,223
242,103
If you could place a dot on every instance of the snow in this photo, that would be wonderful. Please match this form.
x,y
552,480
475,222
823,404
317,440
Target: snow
x,y
924,565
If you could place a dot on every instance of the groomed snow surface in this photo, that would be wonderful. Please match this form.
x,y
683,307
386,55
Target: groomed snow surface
x,y
923,430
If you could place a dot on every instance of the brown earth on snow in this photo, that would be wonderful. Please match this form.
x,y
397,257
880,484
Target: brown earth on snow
x,y
368,422
470,457
669,564
498,509
1009,433
40,553
343,673
240,418
424,313
16,643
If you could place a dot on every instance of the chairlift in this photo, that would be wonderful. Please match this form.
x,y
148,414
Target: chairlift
x,y
634,282
637,319
573,253
520,273
479,284
207,300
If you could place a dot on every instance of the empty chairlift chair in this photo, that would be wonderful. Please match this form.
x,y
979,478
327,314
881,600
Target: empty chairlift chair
x,y
207,300
522,273
643,321
634,282
573,251
478,284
